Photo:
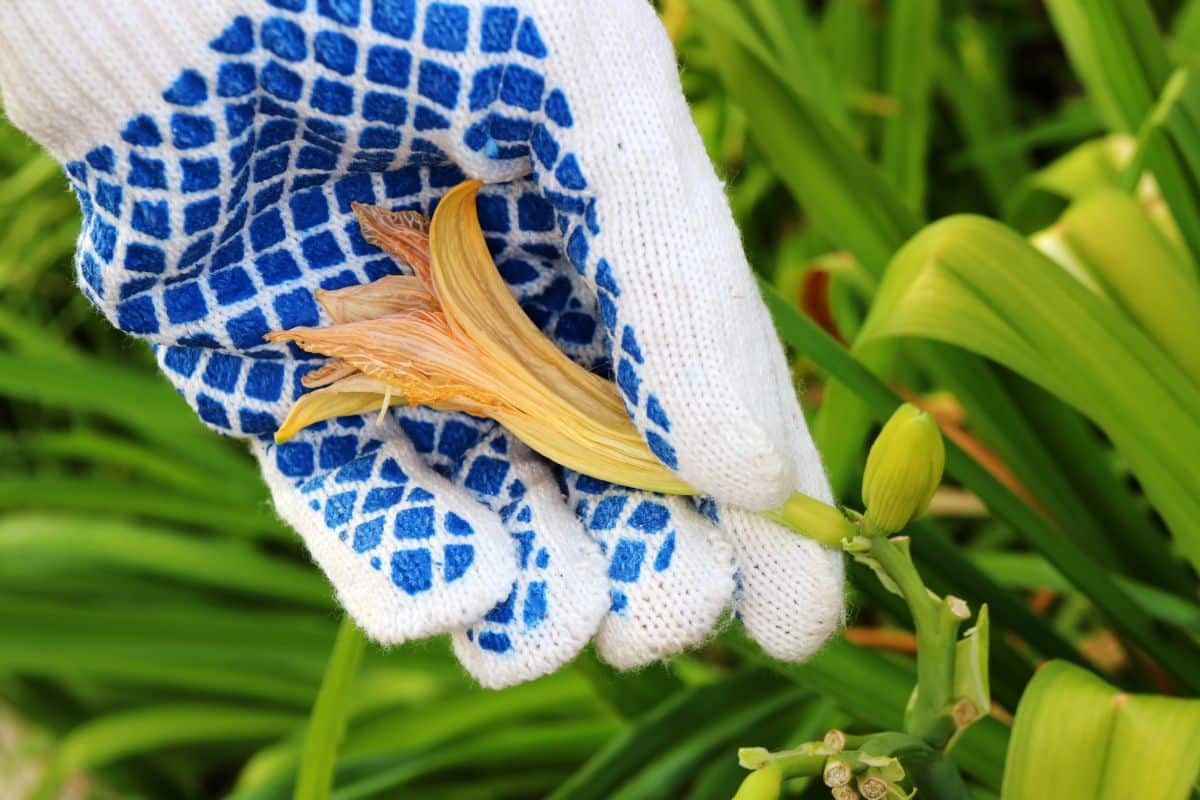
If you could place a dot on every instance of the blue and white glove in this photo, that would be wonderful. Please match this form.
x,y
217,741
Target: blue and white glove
x,y
216,147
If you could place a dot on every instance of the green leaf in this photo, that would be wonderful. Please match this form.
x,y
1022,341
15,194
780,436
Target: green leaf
x,y
1182,660
1077,738
1116,511
912,53
273,656
106,496
971,75
971,282
385,731
663,747
842,194
1028,572
1124,258
1169,146
141,402
629,694
801,58
102,448
124,734
491,753
852,40
1096,164
1118,54
53,544
328,721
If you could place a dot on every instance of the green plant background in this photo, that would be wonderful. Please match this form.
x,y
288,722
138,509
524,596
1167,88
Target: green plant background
x,y
162,634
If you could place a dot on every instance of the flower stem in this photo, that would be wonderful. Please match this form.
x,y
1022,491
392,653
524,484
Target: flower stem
x,y
937,622
816,520
329,714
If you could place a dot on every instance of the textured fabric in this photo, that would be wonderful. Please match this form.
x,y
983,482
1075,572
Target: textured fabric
x,y
216,147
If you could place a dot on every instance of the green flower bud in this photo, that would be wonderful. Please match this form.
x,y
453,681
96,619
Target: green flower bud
x,y
761,784
904,469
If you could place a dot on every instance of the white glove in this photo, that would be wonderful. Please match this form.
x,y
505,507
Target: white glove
x,y
216,147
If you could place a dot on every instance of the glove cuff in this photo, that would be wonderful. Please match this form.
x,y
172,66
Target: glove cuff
x,y
71,71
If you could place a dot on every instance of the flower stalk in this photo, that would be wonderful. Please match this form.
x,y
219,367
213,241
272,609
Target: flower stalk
x,y
903,470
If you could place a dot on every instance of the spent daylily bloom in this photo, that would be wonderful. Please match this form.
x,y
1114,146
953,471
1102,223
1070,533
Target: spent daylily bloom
x,y
452,337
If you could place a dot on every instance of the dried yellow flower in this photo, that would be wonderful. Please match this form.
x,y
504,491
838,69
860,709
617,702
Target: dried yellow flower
x,y
451,337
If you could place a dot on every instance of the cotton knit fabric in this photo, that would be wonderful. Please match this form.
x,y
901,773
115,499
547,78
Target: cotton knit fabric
x,y
216,147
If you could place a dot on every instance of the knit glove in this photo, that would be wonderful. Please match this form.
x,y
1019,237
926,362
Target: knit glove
x,y
216,147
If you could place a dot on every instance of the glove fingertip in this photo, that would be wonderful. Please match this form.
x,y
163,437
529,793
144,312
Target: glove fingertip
x,y
409,554
791,597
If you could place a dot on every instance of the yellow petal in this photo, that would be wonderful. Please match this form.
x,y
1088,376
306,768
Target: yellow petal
x,y
452,338
403,234
357,394
415,353
394,294
564,412
332,370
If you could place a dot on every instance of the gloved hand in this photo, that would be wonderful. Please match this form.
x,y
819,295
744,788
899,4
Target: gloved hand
x,y
216,147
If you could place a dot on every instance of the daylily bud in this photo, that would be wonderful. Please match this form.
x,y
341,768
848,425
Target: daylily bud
x,y
904,469
761,784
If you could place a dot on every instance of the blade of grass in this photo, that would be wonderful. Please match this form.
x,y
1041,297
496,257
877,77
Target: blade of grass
x,y
103,448
1185,27
424,723
852,40
1144,549
790,33
629,694
1074,122
840,191
272,656
92,386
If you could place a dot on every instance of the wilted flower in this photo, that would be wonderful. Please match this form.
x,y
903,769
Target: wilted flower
x,y
451,337
903,471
